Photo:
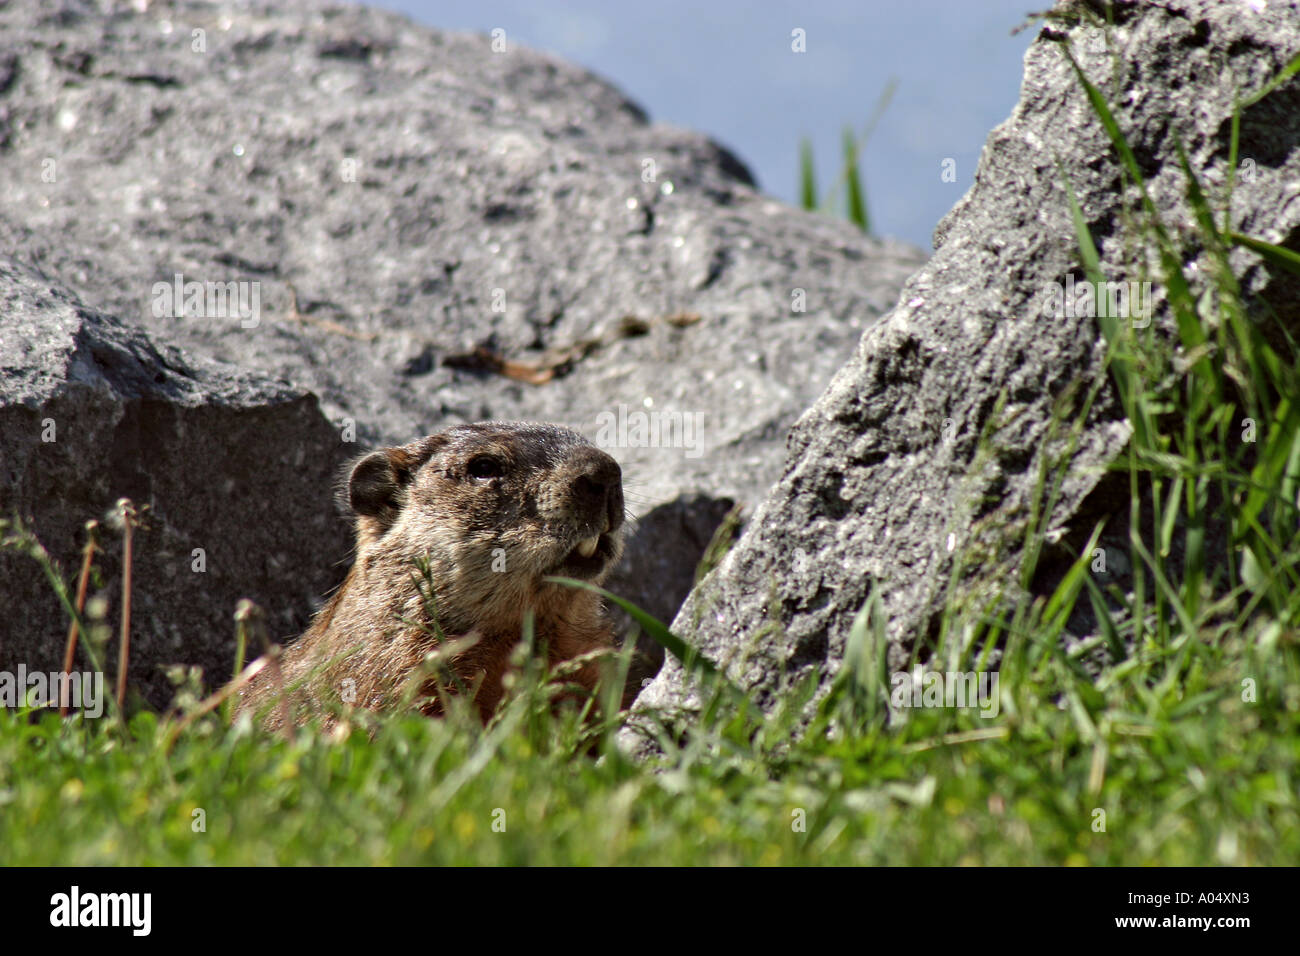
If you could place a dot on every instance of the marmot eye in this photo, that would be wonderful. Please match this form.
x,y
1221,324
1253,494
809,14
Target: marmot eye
x,y
485,466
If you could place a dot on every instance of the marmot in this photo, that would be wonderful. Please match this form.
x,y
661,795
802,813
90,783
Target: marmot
x,y
473,517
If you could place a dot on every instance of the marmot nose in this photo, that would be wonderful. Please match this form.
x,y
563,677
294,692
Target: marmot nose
x,y
599,485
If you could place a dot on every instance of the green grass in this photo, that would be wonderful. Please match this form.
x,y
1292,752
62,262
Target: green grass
x,y
849,186
1183,750
1191,775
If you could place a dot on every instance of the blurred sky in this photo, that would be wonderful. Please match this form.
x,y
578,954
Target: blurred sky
x,y
726,68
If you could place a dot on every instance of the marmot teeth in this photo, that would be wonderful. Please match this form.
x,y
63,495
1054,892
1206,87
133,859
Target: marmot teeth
x,y
587,546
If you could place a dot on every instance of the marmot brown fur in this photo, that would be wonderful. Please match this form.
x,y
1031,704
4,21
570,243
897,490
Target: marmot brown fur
x,y
493,508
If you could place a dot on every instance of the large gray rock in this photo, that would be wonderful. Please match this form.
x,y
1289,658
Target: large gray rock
x,y
416,209
233,464
881,485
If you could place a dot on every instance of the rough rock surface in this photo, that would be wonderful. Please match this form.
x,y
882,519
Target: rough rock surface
x,y
233,464
417,208
881,484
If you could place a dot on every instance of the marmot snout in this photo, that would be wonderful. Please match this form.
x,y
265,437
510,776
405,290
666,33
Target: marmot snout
x,y
493,508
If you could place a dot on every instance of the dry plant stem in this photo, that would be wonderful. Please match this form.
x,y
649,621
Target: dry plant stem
x,y
241,637
216,700
124,654
70,651
250,617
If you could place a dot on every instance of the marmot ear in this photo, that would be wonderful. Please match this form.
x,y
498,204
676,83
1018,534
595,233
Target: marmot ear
x,y
378,481
374,484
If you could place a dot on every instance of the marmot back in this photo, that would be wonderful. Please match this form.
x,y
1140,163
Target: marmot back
x,y
493,508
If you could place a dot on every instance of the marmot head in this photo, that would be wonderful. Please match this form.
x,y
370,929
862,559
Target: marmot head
x,y
494,507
